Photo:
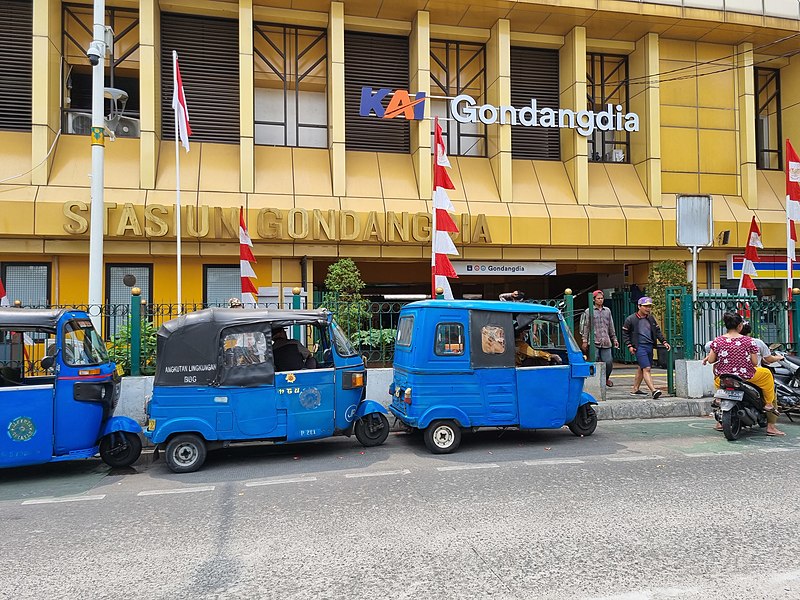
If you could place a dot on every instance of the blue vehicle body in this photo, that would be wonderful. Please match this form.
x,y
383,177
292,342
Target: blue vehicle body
x,y
454,374
61,410
257,401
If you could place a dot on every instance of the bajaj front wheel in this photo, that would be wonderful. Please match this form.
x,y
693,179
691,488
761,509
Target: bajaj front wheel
x,y
443,437
120,449
185,453
372,430
585,421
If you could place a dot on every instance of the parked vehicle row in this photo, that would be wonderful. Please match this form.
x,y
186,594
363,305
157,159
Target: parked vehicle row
x,y
231,375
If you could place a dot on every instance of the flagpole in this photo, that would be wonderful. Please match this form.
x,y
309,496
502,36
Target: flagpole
x,y
177,190
433,215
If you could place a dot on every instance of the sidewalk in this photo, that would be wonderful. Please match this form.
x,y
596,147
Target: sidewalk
x,y
619,404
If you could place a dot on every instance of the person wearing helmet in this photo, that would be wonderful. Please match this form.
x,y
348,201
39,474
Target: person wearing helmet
x,y
235,303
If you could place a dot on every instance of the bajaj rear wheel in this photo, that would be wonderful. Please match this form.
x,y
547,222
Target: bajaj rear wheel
x,y
372,430
585,421
731,425
185,453
443,437
120,449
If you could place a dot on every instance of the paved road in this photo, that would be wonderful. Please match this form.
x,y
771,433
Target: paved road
x,y
641,510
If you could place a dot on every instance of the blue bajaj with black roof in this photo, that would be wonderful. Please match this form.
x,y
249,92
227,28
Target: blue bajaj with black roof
x,y
234,375
58,392
468,364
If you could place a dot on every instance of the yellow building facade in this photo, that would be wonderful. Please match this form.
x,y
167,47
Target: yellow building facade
x,y
277,130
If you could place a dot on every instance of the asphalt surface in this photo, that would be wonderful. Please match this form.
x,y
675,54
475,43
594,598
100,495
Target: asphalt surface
x,y
641,510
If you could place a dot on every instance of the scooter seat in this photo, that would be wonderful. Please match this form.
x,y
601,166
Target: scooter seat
x,y
792,359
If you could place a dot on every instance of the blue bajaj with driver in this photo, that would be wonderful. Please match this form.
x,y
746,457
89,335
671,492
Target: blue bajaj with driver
x,y
232,375
58,392
469,364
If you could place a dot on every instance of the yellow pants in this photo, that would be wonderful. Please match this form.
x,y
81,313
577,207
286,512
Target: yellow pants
x,y
766,383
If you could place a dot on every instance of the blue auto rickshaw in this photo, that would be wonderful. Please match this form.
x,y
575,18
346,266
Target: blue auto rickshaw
x,y
233,375
58,392
469,364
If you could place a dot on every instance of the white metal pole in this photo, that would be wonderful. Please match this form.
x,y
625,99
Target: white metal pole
x,y
178,205
695,252
789,279
97,214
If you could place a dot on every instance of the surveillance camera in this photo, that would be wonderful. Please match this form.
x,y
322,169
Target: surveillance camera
x,y
95,52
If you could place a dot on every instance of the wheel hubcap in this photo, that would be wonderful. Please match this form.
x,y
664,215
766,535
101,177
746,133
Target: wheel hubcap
x,y
443,437
185,454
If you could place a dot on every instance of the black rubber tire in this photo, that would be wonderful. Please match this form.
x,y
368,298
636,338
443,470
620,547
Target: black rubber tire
x,y
731,425
369,433
443,437
126,450
185,453
585,421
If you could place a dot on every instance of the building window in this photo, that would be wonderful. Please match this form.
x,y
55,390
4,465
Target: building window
x,y
208,50
607,84
220,284
16,64
291,78
769,153
27,282
122,72
534,76
377,62
458,68
118,294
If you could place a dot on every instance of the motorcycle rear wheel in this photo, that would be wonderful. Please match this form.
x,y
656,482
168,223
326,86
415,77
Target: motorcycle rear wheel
x,y
731,425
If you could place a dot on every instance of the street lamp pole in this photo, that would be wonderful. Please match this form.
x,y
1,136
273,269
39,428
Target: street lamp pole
x,y
97,53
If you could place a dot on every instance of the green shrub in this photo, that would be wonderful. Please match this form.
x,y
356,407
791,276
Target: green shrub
x,y
119,349
343,298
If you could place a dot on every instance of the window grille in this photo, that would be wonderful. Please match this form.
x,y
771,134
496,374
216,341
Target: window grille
x,y
27,282
534,75
458,68
122,70
16,64
769,147
290,75
220,284
607,83
376,61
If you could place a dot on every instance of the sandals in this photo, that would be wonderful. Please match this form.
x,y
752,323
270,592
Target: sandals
x,y
775,433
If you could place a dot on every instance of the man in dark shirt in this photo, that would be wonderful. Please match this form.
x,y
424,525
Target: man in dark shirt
x,y
289,354
640,333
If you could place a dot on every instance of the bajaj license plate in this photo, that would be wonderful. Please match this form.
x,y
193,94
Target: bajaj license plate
x,y
735,395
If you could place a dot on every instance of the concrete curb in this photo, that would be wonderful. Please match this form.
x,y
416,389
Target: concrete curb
x,y
653,409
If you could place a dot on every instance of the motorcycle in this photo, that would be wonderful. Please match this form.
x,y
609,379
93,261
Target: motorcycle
x,y
738,403
787,384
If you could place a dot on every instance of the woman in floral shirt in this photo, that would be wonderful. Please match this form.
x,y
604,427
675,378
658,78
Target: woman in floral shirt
x,y
737,354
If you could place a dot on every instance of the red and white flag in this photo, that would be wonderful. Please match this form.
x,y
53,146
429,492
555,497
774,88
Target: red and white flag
x,y
246,260
184,130
792,200
443,224
3,296
750,258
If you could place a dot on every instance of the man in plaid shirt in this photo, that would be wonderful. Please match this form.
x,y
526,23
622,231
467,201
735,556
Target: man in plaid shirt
x,y
604,335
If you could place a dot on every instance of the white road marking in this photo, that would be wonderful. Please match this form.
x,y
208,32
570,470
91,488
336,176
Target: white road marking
x,y
777,449
279,481
555,461
468,467
377,473
704,454
188,490
59,500
635,458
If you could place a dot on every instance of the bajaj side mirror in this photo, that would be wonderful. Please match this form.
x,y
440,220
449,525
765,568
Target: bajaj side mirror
x,y
48,362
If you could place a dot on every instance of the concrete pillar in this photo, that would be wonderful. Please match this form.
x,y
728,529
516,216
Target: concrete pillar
x,y
645,101
419,69
572,75
246,98
46,86
149,91
336,98
498,92
747,124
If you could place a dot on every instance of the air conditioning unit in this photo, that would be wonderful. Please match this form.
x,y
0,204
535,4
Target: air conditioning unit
x,y
79,123
127,127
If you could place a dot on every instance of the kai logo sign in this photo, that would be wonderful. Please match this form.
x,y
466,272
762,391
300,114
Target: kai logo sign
x,y
400,103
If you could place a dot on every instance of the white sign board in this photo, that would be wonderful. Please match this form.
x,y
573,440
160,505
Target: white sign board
x,y
695,221
475,267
